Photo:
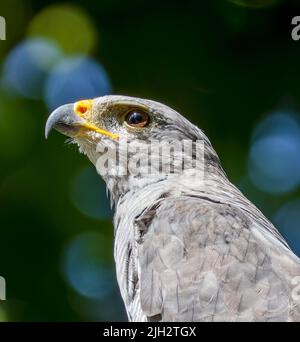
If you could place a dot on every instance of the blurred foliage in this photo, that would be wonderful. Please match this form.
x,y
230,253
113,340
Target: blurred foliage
x,y
226,65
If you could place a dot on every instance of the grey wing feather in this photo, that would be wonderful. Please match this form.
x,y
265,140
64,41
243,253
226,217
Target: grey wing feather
x,y
204,261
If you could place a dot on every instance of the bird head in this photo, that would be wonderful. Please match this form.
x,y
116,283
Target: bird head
x,y
106,121
117,117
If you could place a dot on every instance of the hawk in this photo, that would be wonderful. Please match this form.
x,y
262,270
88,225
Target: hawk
x,y
189,246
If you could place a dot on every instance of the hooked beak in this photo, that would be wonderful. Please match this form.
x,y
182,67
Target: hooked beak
x,y
69,120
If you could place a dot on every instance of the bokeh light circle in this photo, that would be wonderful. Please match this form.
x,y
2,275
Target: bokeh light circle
x,y
75,78
69,26
85,268
27,65
277,124
274,158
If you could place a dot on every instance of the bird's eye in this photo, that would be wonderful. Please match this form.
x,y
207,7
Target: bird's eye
x,y
137,118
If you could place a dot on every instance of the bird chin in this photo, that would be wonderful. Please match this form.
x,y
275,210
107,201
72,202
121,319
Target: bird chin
x,y
87,148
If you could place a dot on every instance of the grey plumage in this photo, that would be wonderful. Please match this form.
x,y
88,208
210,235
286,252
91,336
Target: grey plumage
x,y
187,249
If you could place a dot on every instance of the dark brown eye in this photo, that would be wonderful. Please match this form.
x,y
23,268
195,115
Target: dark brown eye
x,y
137,118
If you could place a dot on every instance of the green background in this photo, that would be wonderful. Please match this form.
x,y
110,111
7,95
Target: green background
x,y
224,65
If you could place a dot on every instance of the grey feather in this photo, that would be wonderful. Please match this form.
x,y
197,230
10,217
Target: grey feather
x,y
210,266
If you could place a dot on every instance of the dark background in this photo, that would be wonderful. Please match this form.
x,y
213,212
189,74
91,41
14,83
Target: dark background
x,y
231,67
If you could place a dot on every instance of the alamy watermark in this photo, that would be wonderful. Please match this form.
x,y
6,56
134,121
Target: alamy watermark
x,y
150,158
296,29
2,288
2,28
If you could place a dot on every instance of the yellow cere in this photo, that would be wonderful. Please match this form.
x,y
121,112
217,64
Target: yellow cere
x,y
81,107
